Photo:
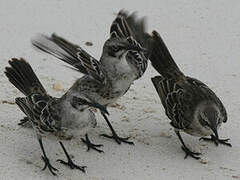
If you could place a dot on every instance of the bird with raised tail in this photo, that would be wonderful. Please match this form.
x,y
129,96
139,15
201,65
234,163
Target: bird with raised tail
x,y
191,105
62,117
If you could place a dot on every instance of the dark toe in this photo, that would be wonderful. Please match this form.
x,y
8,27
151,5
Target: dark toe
x,y
190,153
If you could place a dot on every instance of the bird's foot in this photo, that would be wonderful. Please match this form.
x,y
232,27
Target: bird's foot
x,y
118,139
69,162
188,152
23,121
72,165
49,166
91,145
114,136
217,141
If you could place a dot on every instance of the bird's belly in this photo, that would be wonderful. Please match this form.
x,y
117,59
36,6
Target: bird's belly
x,y
199,132
112,94
76,119
122,84
119,89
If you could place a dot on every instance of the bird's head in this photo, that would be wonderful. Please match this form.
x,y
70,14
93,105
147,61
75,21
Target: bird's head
x,y
210,119
117,47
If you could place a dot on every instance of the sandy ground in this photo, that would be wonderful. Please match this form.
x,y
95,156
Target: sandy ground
x,y
203,37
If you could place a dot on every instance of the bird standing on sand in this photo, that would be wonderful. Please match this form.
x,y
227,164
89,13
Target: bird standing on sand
x,y
191,105
68,114
124,60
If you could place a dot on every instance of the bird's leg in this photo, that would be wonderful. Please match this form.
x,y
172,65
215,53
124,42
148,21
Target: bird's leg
x,y
70,163
217,140
91,145
23,121
187,151
114,136
46,160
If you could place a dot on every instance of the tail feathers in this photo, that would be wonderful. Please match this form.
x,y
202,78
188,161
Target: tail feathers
x,y
60,48
156,82
161,58
22,76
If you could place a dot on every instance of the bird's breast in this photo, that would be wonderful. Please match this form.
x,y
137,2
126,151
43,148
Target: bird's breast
x,y
75,119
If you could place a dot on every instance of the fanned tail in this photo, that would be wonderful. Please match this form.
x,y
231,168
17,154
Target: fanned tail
x,y
22,76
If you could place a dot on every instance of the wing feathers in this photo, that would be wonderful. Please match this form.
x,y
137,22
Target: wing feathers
x,y
72,54
171,97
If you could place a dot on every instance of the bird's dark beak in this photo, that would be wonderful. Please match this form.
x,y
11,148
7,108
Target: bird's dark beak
x,y
136,48
100,107
214,129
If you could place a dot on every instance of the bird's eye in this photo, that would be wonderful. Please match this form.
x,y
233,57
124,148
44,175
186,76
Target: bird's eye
x,y
203,121
115,48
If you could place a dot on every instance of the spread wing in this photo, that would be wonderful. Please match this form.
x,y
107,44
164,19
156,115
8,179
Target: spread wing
x,y
128,26
36,107
120,27
171,96
72,54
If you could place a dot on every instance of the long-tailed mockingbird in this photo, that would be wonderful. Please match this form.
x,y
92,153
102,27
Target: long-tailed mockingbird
x,y
191,105
48,114
123,60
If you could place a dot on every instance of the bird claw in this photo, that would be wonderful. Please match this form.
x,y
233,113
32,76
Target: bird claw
x,y
91,145
190,153
225,142
114,136
217,141
71,164
118,139
49,166
23,121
